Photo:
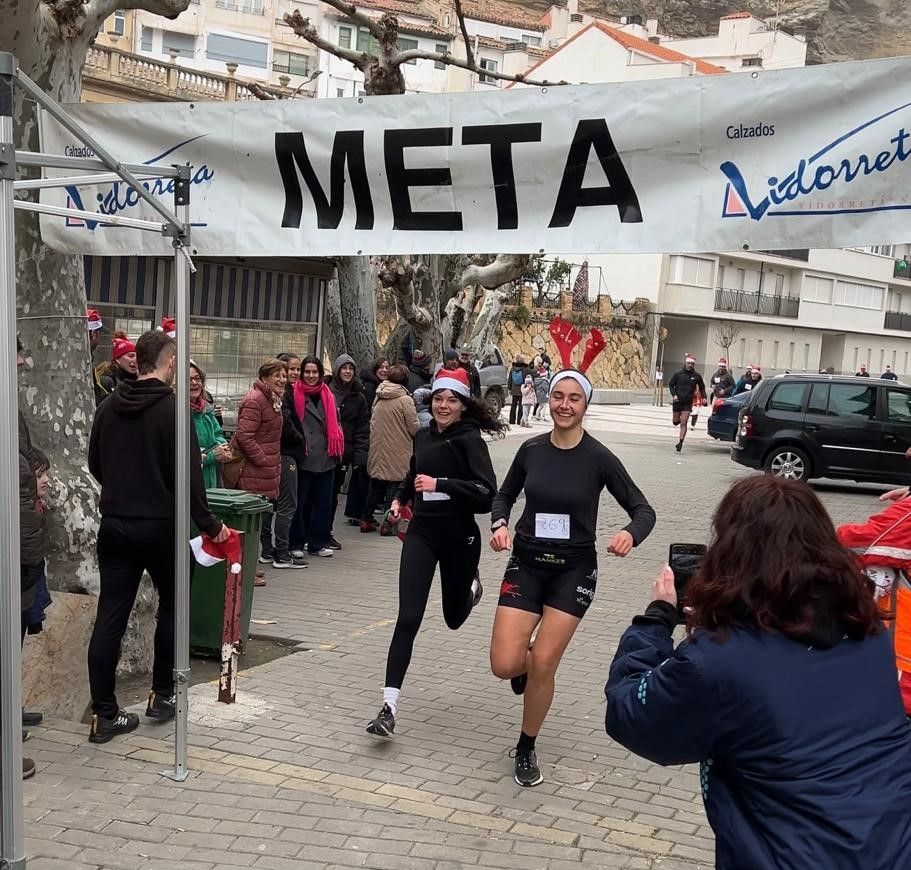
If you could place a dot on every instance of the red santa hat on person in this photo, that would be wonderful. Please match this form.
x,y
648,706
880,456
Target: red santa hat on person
x,y
93,319
207,552
458,374
169,327
121,346
722,361
689,358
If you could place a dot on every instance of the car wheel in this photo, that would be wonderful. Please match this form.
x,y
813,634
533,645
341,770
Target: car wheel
x,y
494,399
789,463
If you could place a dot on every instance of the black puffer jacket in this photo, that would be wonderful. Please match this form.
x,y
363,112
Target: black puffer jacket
x,y
294,442
354,415
370,382
114,376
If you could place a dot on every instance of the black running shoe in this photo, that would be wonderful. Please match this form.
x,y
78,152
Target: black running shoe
x,y
104,729
160,707
477,590
518,684
28,768
333,544
679,446
30,720
384,724
528,773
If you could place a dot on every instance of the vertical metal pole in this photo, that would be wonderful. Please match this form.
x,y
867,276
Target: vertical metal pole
x,y
181,290
12,830
321,316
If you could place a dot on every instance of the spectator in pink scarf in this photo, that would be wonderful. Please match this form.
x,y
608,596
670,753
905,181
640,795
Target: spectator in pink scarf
x,y
314,406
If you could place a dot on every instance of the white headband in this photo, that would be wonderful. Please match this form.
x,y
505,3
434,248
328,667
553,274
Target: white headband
x,y
578,377
453,384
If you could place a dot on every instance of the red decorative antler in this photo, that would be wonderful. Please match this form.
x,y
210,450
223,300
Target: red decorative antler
x,y
566,337
593,346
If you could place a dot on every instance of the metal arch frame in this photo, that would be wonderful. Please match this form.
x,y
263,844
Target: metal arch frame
x,y
175,225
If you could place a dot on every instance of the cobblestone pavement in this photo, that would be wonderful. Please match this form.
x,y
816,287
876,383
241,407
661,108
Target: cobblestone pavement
x,y
286,778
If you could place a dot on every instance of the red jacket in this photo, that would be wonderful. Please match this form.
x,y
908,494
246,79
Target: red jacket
x,y
258,438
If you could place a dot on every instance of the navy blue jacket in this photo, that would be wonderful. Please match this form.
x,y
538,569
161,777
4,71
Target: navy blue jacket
x,y
804,751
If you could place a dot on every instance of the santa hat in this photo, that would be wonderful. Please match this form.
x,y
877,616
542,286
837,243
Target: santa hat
x,y
454,385
722,361
121,346
169,327
690,358
208,552
458,374
93,319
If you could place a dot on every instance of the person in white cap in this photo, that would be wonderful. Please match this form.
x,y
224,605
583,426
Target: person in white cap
x,y
687,391
450,479
722,381
550,579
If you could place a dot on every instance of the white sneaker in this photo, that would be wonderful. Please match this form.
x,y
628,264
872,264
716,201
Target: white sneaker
x,y
325,553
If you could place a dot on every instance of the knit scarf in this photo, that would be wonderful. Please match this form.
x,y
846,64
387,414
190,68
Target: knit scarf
x,y
199,404
334,434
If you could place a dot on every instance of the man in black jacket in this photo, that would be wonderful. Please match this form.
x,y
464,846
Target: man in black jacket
x,y
132,456
687,389
474,376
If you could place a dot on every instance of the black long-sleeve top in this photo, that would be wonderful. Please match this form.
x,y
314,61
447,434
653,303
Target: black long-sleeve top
x,y
459,460
562,494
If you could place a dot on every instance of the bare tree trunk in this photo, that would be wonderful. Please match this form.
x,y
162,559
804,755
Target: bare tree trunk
x,y
333,323
56,395
485,329
357,285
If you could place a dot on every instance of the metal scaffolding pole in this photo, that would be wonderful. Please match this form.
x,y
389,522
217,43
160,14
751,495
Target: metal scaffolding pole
x,y
181,284
12,829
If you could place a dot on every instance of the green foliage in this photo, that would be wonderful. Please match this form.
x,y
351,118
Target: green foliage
x,y
521,316
558,273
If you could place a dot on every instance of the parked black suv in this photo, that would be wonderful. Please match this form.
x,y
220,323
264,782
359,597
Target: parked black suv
x,y
803,426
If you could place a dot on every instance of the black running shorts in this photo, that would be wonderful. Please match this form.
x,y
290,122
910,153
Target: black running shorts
x,y
681,410
570,590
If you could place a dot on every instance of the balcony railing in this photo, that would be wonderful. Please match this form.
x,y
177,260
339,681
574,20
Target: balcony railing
x,y
154,79
789,253
902,269
756,303
897,320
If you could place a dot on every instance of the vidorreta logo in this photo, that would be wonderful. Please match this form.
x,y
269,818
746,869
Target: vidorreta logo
x,y
119,197
808,188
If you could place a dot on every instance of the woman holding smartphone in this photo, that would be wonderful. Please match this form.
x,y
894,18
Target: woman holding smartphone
x,y
450,480
784,691
551,577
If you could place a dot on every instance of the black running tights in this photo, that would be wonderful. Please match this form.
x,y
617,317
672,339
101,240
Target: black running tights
x,y
453,543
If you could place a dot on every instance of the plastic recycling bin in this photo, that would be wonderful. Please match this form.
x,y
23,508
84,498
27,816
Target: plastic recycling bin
x,y
244,512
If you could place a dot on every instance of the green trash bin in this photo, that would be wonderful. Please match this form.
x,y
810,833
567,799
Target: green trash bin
x,y
244,512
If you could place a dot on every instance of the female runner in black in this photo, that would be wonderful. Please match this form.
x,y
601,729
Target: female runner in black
x,y
450,480
551,577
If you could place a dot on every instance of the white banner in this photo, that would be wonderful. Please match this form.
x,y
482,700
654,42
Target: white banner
x,y
815,157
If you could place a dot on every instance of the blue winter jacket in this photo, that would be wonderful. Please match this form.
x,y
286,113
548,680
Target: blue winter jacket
x,y
804,751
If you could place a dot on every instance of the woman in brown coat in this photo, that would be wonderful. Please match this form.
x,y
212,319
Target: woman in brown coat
x,y
259,431
392,427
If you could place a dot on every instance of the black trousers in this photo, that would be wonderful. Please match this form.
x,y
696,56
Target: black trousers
x,y
453,543
126,548
380,493
515,410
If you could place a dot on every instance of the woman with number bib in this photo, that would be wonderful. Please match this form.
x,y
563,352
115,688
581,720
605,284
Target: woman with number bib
x,y
450,479
550,580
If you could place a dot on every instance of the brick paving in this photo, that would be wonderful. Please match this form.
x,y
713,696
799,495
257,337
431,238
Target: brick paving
x,y
286,779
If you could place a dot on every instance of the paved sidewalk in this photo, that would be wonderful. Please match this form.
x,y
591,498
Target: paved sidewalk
x,y
287,779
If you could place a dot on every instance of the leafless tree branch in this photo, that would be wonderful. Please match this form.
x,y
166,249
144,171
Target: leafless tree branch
x,y
259,91
97,11
349,10
305,30
447,58
469,54
504,269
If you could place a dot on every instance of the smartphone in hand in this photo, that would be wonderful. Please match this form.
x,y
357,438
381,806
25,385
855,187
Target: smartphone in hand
x,y
685,561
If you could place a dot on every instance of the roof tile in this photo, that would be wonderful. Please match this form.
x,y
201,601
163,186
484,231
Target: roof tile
x,y
498,12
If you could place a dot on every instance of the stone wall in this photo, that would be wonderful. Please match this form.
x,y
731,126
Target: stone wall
x,y
628,330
